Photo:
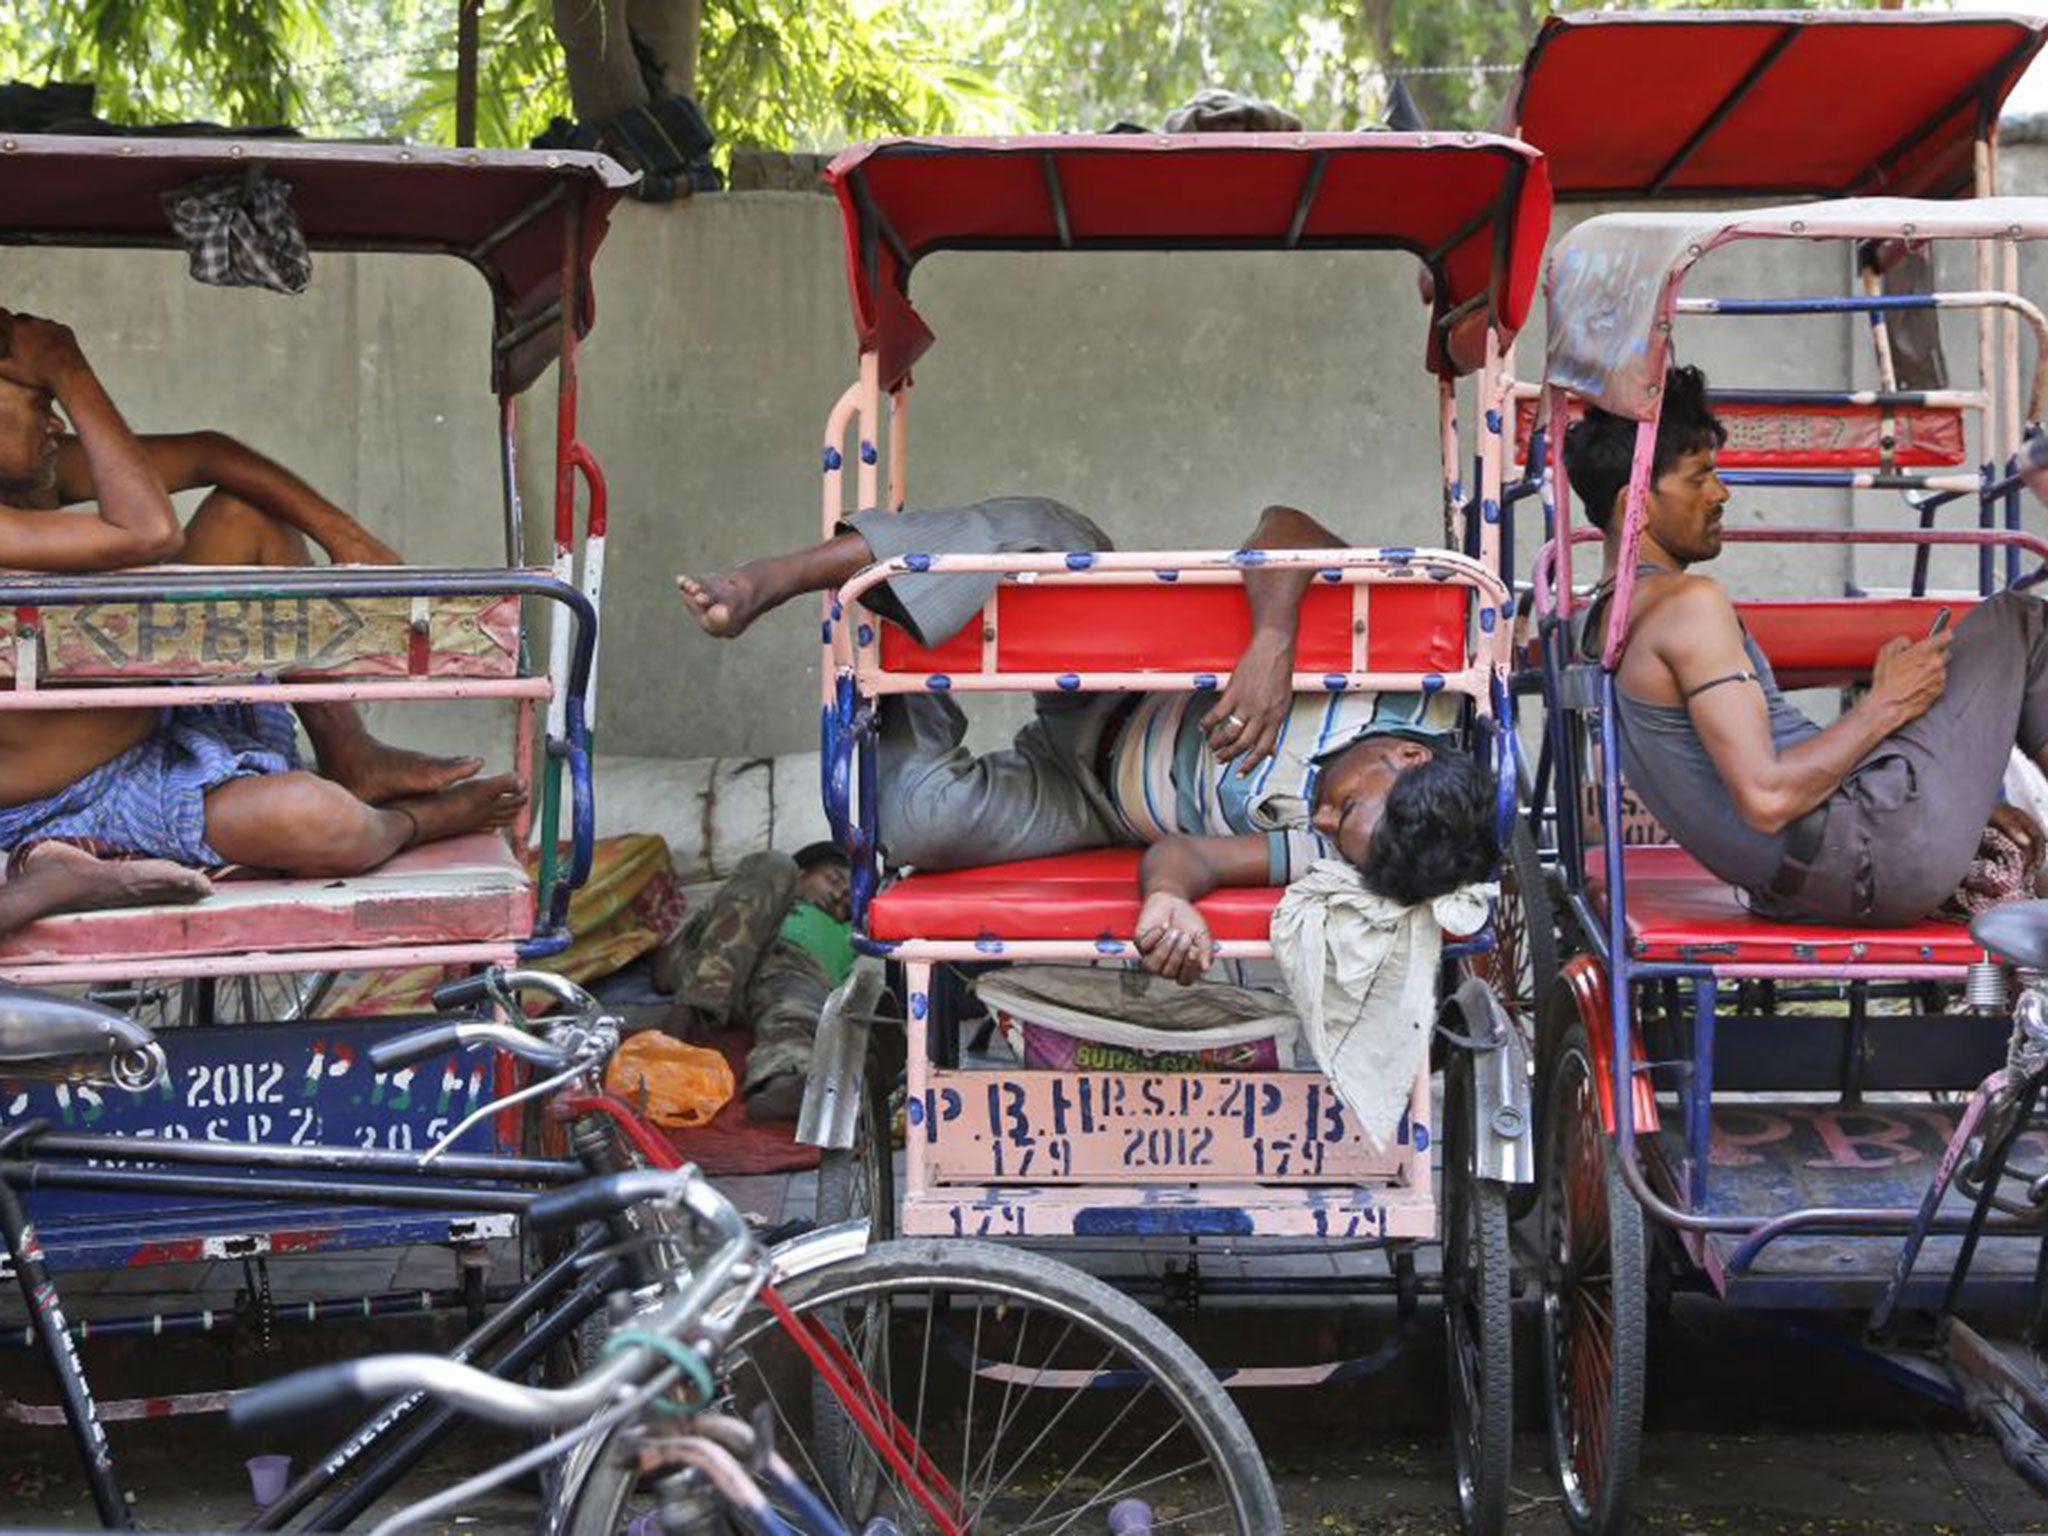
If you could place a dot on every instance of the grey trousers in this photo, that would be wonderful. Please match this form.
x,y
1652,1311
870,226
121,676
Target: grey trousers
x,y
940,806
1903,828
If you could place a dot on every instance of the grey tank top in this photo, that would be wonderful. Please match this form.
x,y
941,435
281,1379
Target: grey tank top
x,y
1667,766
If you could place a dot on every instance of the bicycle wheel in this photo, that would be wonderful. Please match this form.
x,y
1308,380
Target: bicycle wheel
x,y
1478,1316
1595,1332
1034,1398
859,1182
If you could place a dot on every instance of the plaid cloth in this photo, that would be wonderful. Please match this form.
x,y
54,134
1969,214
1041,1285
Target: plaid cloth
x,y
240,232
151,800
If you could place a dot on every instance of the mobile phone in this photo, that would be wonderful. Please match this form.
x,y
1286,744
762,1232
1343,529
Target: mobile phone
x,y
1940,622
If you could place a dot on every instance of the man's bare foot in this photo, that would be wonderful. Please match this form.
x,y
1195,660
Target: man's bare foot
x,y
491,802
378,774
57,877
724,605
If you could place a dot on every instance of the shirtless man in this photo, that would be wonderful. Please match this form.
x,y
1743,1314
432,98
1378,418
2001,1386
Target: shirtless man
x,y
1246,787
1874,819
202,785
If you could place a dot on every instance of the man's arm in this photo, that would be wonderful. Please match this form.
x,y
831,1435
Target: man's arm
x,y
1261,686
1177,872
132,521
1698,638
209,460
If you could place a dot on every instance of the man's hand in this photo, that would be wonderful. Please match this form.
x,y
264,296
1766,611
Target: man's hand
x,y
354,546
2018,825
37,353
1909,675
1173,938
1245,721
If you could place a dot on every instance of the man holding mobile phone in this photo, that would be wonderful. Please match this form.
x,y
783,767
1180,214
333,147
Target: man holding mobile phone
x,y
1874,819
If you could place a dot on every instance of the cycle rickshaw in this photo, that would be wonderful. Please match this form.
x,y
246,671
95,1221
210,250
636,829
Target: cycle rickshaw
x,y
996,1149
1822,1119
243,969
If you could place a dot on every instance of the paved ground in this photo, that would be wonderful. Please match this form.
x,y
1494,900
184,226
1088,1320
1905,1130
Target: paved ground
x,y
1750,1433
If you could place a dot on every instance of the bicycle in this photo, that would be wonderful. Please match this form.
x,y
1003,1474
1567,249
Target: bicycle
x,y
714,1370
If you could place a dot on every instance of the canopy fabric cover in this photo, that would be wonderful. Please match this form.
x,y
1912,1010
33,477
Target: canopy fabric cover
x,y
503,211
1766,103
1474,208
1612,281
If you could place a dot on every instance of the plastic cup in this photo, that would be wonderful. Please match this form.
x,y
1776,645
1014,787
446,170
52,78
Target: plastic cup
x,y
1130,1517
268,1476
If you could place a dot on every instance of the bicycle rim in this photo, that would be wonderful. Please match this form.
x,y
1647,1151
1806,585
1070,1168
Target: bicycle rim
x,y
1030,1400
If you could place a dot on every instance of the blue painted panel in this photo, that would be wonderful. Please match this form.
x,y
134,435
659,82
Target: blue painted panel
x,y
289,1084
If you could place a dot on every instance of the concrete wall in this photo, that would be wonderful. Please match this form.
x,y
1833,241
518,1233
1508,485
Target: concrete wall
x,y
1169,396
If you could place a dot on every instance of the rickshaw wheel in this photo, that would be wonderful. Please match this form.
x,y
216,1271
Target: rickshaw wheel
x,y
1523,963
860,1180
1478,1316
854,1183
1595,1332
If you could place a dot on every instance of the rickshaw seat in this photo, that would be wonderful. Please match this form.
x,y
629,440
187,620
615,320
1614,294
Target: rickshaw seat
x,y
1834,641
1825,643
1068,896
1678,911
465,890
1788,432
1054,626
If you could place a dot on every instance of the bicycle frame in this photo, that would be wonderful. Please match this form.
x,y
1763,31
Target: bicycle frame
x,y
554,1303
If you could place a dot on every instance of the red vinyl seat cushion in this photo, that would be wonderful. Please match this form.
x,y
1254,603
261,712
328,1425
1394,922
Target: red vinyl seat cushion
x,y
1678,911
465,890
1069,896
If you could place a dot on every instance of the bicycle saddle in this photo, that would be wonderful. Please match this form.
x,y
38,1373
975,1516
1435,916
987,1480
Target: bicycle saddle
x,y
2015,931
42,1026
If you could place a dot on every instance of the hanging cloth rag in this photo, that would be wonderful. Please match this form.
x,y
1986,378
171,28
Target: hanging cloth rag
x,y
240,231
1361,970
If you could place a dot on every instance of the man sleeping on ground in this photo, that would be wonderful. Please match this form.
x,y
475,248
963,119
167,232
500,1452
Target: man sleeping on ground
x,y
200,786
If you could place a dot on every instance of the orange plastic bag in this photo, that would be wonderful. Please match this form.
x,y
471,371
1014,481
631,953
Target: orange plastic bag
x,y
674,1085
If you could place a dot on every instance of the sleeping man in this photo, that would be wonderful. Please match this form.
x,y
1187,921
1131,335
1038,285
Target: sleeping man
x,y
1246,787
207,785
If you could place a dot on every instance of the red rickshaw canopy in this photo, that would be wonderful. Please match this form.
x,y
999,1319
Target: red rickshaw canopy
x,y
1474,208
505,212
1766,103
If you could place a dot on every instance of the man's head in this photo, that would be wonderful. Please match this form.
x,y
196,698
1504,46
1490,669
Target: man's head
x,y
1415,823
29,432
824,879
1686,495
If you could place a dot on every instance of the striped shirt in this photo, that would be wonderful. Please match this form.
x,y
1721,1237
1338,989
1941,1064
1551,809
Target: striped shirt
x,y
1163,778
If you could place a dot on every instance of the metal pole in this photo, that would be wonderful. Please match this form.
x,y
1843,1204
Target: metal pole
x,y
467,13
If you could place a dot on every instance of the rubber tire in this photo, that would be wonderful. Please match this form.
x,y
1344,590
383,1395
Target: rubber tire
x,y
1525,896
1479,1327
839,1169
1597,1497
925,1264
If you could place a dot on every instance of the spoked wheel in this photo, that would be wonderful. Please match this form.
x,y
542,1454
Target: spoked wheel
x,y
860,1181
1594,1292
1478,1316
857,1183
1522,965
1028,1397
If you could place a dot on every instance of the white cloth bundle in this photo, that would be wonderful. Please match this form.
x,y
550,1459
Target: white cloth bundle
x,y
1361,970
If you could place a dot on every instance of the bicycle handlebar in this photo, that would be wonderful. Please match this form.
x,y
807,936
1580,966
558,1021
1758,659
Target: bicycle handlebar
x,y
593,1199
415,1045
291,1400
503,983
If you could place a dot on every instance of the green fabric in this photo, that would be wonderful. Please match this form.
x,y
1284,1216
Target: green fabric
x,y
822,936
